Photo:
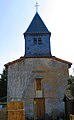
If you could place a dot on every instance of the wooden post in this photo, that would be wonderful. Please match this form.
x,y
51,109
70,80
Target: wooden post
x,y
15,110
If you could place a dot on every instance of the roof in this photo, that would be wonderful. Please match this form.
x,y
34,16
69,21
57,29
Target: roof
x,y
53,57
37,26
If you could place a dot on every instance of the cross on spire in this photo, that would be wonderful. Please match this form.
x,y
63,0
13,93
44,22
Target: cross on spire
x,y
36,7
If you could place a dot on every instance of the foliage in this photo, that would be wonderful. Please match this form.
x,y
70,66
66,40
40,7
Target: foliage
x,y
3,85
71,85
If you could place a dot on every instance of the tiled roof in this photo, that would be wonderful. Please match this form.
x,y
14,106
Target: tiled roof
x,y
37,26
52,57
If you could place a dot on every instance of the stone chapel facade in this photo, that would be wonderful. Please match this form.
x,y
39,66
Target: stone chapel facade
x,y
38,78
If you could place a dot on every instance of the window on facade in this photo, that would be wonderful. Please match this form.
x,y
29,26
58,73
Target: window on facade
x,y
35,41
39,41
38,84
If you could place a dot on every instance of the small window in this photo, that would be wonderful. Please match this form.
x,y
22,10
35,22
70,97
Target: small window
x,y
38,84
39,41
35,41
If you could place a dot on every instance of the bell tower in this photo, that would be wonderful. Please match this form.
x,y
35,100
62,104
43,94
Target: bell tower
x,y
37,38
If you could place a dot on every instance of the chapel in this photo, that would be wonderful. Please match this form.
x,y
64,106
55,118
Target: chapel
x,y
38,78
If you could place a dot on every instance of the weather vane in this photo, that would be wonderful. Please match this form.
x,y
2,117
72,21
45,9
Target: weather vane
x,y
36,7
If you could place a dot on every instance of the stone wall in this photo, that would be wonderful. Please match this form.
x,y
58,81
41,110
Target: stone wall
x,y
21,83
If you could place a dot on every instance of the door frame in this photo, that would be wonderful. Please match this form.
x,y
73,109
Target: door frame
x,y
34,103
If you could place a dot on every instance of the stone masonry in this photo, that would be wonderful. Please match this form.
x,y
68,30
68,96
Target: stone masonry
x,y
21,83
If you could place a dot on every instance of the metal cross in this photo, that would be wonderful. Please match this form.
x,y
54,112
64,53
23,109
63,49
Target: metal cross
x,y
36,7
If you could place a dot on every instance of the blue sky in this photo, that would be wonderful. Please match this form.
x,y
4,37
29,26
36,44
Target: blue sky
x,y
15,17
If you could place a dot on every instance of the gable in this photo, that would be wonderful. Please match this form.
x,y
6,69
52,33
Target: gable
x,y
52,57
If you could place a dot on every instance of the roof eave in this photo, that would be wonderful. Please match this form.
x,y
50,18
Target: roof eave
x,y
53,57
36,33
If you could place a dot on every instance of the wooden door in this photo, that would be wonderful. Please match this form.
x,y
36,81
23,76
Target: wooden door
x,y
39,108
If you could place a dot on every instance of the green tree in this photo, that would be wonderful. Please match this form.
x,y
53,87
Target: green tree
x,y
3,85
71,85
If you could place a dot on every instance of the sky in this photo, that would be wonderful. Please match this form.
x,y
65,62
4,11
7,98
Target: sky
x,y
15,17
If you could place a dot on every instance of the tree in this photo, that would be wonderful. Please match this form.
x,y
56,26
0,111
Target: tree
x,y
3,85
71,85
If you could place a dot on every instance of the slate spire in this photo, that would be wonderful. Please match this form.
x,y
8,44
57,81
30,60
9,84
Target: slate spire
x,y
37,26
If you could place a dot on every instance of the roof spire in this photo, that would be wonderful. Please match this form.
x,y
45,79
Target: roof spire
x,y
36,7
